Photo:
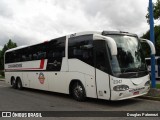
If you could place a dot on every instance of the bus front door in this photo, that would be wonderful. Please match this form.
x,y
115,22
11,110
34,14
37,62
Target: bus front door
x,y
101,68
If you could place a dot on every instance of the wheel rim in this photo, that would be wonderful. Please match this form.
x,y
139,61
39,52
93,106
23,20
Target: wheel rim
x,y
13,82
78,91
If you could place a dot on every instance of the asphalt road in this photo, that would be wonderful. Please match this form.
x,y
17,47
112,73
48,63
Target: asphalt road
x,y
36,100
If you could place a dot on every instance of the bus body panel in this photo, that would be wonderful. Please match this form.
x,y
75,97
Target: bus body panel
x,y
64,66
38,80
135,88
157,66
103,86
90,86
80,66
61,81
25,80
76,65
8,76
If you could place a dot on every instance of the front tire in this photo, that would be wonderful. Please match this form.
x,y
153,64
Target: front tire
x,y
78,92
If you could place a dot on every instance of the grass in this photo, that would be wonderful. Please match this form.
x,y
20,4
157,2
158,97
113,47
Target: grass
x,y
158,86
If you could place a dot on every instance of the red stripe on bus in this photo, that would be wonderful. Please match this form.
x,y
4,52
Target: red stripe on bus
x,y
42,64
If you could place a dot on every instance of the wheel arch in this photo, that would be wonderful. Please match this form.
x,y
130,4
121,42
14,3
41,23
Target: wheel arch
x,y
72,83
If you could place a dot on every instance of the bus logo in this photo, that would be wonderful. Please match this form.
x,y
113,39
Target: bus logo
x,y
56,63
41,78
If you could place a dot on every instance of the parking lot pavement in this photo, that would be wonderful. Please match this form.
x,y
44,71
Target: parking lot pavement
x,y
37,100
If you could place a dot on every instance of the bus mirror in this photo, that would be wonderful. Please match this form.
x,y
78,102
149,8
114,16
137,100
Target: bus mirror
x,y
152,47
110,41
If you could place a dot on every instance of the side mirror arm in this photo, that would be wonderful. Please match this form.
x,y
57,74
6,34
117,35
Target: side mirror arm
x,y
110,41
152,47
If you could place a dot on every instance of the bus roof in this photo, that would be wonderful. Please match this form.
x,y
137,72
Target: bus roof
x,y
79,34
19,47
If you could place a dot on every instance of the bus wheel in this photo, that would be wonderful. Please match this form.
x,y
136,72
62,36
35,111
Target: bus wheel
x,y
19,84
78,92
13,83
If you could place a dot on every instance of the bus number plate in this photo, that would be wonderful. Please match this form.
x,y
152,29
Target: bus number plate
x,y
117,81
136,93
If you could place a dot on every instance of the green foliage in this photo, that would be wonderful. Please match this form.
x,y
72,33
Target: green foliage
x,y
156,11
157,41
158,86
6,47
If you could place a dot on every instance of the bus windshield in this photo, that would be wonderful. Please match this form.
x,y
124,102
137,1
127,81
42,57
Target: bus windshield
x,y
130,57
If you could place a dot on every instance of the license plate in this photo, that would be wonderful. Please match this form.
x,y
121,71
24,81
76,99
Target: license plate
x,y
136,93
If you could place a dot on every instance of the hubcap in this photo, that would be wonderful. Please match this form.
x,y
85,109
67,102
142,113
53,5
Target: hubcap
x,y
14,82
78,91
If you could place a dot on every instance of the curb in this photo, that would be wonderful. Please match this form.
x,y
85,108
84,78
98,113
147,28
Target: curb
x,y
150,98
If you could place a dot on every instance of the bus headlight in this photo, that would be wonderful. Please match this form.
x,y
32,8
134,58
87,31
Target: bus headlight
x,y
147,83
120,87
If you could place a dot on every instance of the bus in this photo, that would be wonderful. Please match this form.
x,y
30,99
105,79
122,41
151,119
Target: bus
x,y
105,65
157,66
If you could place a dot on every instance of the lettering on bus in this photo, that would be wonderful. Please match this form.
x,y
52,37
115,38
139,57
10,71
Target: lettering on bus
x,y
15,66
117,81
137,89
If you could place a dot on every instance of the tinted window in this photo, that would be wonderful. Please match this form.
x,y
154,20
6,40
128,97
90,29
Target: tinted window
x,y
81,47
51,49
13,56
148,62
101,56
8,57
56,48
158,61
55,53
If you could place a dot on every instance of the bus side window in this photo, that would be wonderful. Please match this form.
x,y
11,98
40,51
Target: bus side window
x,y
81,48
7,57
100,60
101,55
23,58
35,57
55,54
41,55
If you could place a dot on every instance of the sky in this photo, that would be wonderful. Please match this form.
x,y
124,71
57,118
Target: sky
x,y
32,21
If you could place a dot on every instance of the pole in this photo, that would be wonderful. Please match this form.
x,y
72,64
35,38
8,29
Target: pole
x,y
151,20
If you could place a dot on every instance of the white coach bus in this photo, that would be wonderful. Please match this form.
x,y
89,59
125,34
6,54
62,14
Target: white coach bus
x,y
106,65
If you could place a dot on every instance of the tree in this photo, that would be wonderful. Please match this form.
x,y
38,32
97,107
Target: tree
x,y
6,47
157,41
156,11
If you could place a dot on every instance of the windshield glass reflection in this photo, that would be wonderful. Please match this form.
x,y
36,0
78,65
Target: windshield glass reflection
x,y
130,57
